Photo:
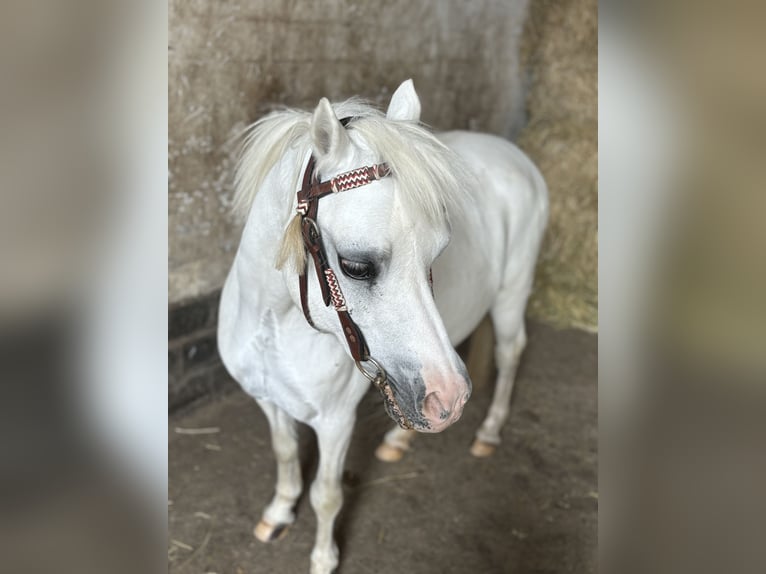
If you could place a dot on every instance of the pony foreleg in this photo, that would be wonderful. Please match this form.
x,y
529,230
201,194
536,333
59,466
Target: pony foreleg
x,y
508,353
279,514
395,443
326,492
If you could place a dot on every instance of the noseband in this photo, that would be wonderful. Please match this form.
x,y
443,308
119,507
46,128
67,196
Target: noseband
x,y
311,191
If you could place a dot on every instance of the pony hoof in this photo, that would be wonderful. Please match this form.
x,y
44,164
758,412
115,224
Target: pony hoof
x,y
481,449
266,532
388,453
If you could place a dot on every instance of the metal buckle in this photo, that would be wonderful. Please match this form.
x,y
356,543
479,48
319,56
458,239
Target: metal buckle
x,y
379,378
313,224
313,238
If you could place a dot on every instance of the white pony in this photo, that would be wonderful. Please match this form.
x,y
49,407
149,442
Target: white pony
x,y
468,208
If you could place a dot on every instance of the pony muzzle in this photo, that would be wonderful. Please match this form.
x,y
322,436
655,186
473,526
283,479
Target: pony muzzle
x,y
444,401
442,412
441,406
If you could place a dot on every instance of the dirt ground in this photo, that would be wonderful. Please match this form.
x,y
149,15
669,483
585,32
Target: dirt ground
x,y
531,508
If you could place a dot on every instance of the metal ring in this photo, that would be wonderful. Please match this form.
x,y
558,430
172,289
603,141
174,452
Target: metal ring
x,y
313,224
311,239
377,379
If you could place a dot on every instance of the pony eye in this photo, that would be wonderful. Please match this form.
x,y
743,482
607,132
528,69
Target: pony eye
x,y
360,270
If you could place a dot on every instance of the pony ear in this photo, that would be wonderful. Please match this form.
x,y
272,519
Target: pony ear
x,y
405,104
328,136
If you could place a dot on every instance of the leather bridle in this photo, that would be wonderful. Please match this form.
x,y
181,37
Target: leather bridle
x,y
311,191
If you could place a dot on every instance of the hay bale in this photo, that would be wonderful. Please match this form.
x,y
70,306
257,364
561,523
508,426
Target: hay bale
x,y
560,47
560,52
566,286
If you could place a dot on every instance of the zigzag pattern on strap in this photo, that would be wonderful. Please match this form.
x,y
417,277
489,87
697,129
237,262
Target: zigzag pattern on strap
x,y
338,301
359,177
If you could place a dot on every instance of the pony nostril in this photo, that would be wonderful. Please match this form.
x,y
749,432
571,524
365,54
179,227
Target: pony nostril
x,y
434,409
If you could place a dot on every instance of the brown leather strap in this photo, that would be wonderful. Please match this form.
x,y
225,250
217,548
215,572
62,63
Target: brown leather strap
x,y
345,181
308,206
308,174
313,243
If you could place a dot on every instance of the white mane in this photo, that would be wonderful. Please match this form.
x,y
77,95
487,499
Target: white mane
x,y
428,175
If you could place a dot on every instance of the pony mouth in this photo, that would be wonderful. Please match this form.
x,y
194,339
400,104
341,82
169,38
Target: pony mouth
x,y
394,411
406,418
413,418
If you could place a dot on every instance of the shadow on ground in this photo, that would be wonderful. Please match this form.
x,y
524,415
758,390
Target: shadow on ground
x,y
532,508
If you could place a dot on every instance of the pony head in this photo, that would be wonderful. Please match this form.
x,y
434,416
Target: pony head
x,y
381,239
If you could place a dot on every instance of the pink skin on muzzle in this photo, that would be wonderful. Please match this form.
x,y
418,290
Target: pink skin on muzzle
x,y
446,394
